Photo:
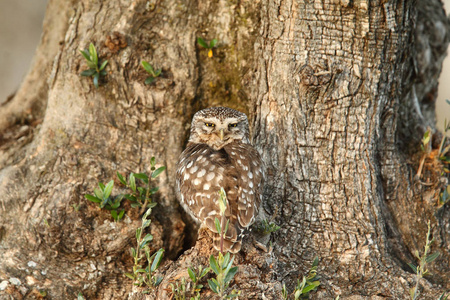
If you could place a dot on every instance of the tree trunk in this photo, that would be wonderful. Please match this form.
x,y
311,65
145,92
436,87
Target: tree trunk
x,y
338,93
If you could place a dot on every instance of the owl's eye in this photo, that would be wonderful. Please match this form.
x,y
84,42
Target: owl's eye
x,y
210,124
232,125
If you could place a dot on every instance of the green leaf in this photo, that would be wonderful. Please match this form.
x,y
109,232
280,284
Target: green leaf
x,y
432,257
142,191
213,264
217,224
85,55
152,204
129,275
192,275
213,286
121,179
226,227
448,101
80,296
203,273
149,80
146,223
88,72
133,252
108,189
142,176
213,43
148,238
157,73
138,234
91,65
148,67
114,214
158,171
93,53
104,202
315,262
426,137
153,190
130,197
158,281
115,205
103,65
132,181
226,260
309,288
157,260
98,193
96,77
202,43
230,274
103,72
92,198
413,267
101,186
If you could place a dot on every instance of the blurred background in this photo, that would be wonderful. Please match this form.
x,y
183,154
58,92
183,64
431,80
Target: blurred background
x,y
20,31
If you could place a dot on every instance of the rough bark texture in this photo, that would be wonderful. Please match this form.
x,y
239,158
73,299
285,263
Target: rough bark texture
x,y
339,94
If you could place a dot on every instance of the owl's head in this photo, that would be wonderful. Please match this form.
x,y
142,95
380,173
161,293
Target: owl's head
x,y
219,126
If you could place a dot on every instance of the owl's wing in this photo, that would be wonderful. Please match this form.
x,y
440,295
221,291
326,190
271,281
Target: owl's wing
x,y
200,175
249,167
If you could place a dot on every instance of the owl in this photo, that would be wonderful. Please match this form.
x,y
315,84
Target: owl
x,y
219,155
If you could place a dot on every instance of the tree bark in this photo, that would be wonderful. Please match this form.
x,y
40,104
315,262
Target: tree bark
x,y
338,93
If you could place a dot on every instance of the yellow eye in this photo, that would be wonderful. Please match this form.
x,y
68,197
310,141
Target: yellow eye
x,y
210,124
232,125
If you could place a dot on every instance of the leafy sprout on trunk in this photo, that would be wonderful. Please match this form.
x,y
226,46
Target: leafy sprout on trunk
x,y
95,68
145,276
421,269
151,71
208,46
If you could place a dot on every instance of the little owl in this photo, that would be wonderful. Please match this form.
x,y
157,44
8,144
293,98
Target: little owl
x,y
219,155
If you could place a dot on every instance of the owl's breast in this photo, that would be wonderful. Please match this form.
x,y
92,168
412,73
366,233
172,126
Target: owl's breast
x,y
200,175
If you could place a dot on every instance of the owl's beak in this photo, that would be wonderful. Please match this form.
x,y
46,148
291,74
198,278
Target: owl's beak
x,y
221,134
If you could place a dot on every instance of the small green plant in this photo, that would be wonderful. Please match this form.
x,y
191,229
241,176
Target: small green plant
x,y
140,275
179,289
182,289
267,227
421,269
224,270
307,285
95,68
102,196
76,206
141,196
196,277
153,74
206,45
80,296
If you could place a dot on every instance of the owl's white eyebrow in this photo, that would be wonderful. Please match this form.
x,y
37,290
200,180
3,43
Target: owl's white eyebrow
x,y
209,120
233,120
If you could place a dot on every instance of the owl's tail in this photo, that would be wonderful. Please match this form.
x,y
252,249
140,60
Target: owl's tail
x,y
229,241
